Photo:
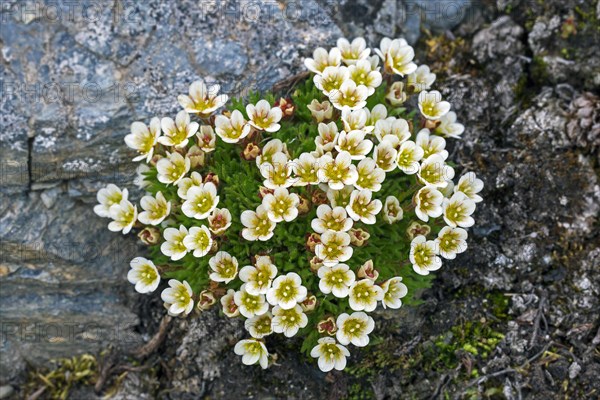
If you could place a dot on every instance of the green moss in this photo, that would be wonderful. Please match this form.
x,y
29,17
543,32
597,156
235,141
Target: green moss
x,y
69,372
539,70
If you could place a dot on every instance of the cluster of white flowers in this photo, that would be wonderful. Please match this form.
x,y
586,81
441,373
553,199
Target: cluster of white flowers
x,y
355,150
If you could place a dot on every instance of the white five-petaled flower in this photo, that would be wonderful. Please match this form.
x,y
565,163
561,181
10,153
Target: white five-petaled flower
x,y
448,126
397,56
143,138
320,111
451,241
124,215
393,129
356,120
341,197
393,291
144,275
173,245
271,148
263,117
363,74
428,203
470,185
349,95
362,208
107,197
336,279
260,326
178,297
278,172
178,132
329,219
288,321
392,212
201,201
378,112
258,278
353,52
323,59
281,205
421,79
334,248
330,354
250,304
408,157
458,210
156,209
257,224
385,156
306,168
331,80
198,240
434,171
328,136
219,221
202,100
224,267
396,95
337,172
431,144
206,138
232,129
230,309
432,106
370,176
172,168
354,328
185,184
423,255
252,351
286,291
364,295
354,143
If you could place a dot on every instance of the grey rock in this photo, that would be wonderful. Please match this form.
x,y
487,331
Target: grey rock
x,y
6,391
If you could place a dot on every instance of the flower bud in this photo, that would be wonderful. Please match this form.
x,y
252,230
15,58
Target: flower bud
x,y
309,303
251,152
206,299
287,106
149,235
321,111
196,156
303,206
367,270
319,197
358,237
415,229
327,326
263,191
212,177
315,264
396,95
312,241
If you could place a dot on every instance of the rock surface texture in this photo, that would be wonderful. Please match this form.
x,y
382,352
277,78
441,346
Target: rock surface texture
x,y
514,317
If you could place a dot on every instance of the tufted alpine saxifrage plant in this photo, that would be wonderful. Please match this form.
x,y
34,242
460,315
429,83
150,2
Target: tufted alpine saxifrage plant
x,y
303,215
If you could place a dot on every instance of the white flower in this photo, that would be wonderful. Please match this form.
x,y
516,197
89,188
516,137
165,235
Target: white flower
x,y
364,295
178,132
448,190
306,168
378,112
286,291
201,201
252,351
230,309
408,158
322,59
328,136
354,328
320,111
172,168
257,224
349,95
219,221
206,139
339,172
186,183
123,216
363,74
386,129
421,79
155,209
277,173
173,245
392,212
354,143
423,255
330,354
107,197
428,203
202,100
431,144
331,80
385,156
451,241
434,171
397,56
353,52
329,219
336,280
143,138
432,106
356,120
334,248
140,179
393,291
273,147
470,185
144,275
370,176
288,321
178,297
232,129
258,278
448,126
260,326
250,304
458,210
224,267
198,240
263,117
341,197
361,208
396,94
281,205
